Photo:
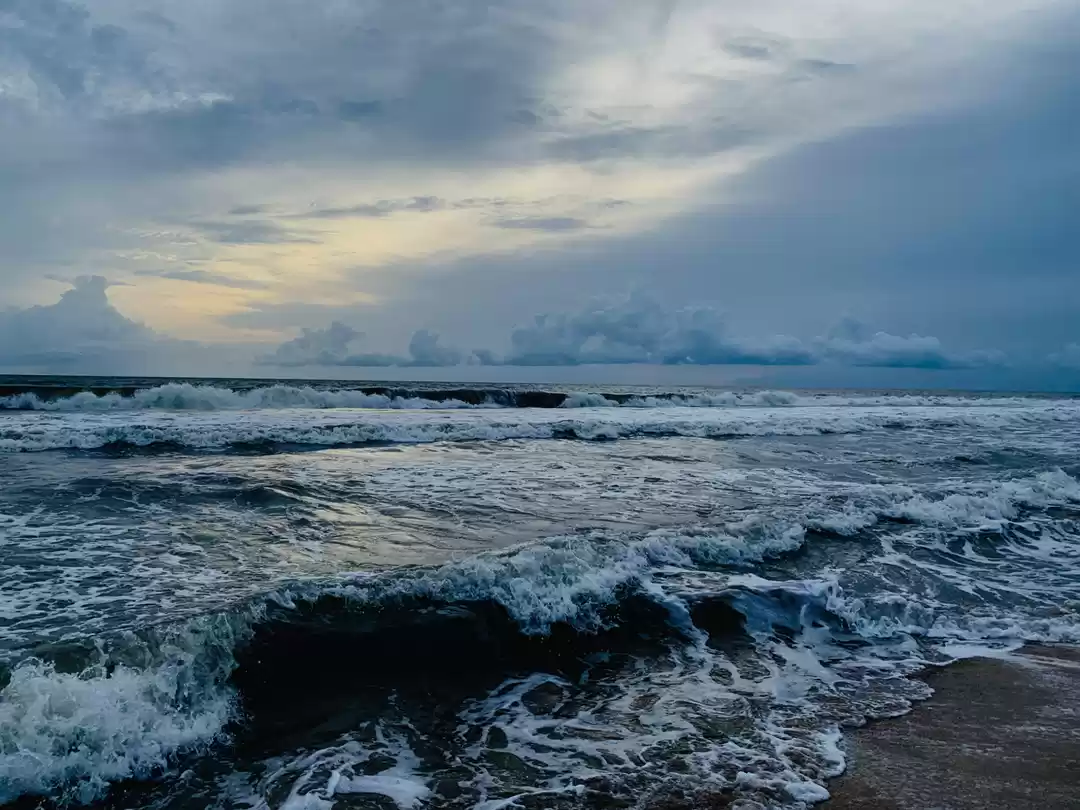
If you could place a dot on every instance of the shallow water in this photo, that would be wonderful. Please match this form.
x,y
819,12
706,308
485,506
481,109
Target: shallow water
x,y
315,597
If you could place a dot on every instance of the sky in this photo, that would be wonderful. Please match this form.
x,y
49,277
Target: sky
x,y
824,192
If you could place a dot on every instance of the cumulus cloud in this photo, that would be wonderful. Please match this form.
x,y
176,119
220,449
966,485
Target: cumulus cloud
x,y
638,329
425,350
325,347
852,342
83,331
83,315
1067,358
332,347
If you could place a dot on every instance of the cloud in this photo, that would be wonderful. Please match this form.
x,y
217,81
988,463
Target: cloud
x,y
247,210
553,224
638,329
325,347
851,342
1067,358
792,162
83,313
205,277
380,208
331,347
425,350
359,110
83,331
249,232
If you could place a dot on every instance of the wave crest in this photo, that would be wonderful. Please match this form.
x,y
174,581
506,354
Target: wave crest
x,y
29,432
187,396
146,700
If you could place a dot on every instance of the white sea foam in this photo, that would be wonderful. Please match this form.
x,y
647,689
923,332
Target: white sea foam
x,y
81,731
28,431
571,579
75,732
187,397
86,730
566,579
961,505
316,778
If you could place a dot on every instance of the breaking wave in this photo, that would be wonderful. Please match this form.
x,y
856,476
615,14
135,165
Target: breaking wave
x,y
340,428
207,397
188,397
73,720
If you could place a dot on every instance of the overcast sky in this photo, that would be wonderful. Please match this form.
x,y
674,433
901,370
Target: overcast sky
x,y
816,192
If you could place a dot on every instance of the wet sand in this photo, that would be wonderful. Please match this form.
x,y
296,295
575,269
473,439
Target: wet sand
x,y
996,734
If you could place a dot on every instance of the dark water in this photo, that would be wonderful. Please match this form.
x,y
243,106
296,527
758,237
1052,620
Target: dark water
x,y
311,596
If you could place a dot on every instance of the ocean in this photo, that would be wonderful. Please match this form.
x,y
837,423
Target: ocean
x,y
314,595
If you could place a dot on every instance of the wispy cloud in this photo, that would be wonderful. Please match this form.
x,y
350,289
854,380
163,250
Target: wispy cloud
x,y
249,232
206,277
380,208
550,224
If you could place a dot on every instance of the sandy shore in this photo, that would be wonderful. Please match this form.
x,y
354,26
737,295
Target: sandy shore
x,y
996,734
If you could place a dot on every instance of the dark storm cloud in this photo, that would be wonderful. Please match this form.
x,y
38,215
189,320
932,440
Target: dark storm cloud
x,y
124,98
948,231
958,225
373,79
66,53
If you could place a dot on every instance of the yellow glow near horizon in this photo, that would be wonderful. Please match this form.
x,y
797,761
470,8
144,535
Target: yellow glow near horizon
x,y
332,257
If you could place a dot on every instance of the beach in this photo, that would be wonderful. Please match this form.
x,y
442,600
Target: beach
x,y
998,733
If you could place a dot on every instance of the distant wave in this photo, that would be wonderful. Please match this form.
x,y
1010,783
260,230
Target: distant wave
x,y
191,397
187,397
566,597
27,432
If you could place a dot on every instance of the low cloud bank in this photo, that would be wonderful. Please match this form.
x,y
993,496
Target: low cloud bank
x,y
851,342
332,347
84,333
639,330
1068,358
